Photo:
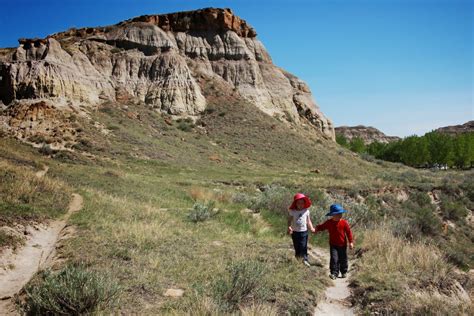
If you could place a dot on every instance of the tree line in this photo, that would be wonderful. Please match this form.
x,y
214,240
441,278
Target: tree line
x,y
433,149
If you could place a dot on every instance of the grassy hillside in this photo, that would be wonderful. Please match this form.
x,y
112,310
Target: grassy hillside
x,y
146,179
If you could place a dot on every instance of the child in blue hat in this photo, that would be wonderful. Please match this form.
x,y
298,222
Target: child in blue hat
x,y
339,235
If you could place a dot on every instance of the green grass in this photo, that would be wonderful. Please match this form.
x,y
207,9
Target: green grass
x,y
140,183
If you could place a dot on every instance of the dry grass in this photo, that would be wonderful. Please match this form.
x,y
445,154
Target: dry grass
x,y
203,194
395,275
24,196
259,309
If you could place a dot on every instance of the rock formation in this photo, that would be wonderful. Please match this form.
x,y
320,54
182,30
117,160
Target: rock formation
x,y
158,60
367,133
467,127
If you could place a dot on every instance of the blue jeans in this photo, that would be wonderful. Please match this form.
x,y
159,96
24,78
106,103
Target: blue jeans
x,y
300,243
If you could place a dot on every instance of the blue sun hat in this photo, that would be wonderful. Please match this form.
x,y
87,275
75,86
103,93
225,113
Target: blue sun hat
x,y
336,209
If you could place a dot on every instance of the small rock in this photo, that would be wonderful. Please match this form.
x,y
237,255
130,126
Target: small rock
x,y
174,292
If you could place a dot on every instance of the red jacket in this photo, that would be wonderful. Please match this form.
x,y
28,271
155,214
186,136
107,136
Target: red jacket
x,y
338,231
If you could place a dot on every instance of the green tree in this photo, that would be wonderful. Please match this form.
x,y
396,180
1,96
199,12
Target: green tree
x,y
376,149
357,145
440,148
463,150
414,151
342,140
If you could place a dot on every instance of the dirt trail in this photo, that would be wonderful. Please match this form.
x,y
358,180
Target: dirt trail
x,y
336,297
35,255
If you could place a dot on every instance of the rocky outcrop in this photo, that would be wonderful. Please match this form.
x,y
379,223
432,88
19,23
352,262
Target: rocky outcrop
x,y
39,122
158,60
467,127
367,133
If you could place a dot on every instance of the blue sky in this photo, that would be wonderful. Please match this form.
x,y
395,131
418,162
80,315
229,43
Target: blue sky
x,y
403,66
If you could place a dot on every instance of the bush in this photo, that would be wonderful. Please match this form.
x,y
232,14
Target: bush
x,y
185,125
274,198
420,198
242,282
46,150
453,210
368,157
427,221
242,198
74,290
202,212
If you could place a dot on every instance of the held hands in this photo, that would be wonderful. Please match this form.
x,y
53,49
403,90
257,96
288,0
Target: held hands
x,y
313,230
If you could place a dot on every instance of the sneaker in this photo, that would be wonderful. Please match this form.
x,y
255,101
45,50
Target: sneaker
x,y
343,275
306,263
333,277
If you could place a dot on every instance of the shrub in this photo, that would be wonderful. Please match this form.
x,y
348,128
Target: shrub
x,y
9,240
74,290
115,50
37,139
453,210
427,221
420,198
202,212
242,282
368,157
243,198
185,125
274,198
46,150
113,127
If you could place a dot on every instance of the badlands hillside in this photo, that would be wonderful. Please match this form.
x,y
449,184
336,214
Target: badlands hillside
x,y
367,133
467,127
147,167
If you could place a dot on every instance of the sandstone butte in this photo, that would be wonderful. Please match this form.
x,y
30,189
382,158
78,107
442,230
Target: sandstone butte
x,y
160,60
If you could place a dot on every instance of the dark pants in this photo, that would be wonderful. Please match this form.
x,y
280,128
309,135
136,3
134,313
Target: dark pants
x,y
300,243
338,262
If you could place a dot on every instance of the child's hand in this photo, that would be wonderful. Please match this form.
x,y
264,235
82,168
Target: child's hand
x,y
290,230
351,246
313,230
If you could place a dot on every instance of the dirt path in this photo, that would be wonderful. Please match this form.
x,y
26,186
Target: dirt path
x,y
35,255
336,297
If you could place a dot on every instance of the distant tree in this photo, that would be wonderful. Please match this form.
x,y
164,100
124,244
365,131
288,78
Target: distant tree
x,y
463,150
414,151
440,148
357,145
433,148
342,140
392,152
376,149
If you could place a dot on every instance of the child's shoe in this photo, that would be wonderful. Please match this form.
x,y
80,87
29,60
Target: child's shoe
x,y
306,263
333,277
343,275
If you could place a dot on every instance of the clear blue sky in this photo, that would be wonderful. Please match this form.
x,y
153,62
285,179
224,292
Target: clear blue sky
x,y
403,66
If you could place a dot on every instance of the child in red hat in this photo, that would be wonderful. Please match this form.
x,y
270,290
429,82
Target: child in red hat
x,y
298,223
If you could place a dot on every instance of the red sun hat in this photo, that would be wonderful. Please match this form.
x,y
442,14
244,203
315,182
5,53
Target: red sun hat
x,y
299,196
